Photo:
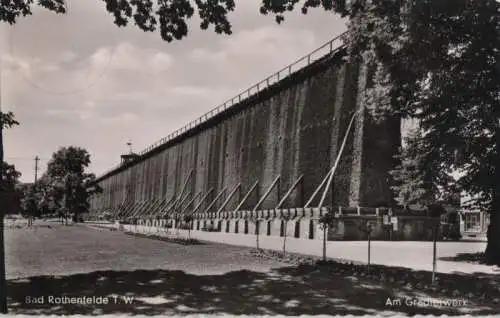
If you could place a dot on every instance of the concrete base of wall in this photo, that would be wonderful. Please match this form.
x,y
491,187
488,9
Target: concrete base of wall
x,y
304,224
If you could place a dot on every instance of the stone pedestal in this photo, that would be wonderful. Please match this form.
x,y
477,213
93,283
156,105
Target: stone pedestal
x,y
276,227
262,226
226,226
290,228
241,225
251,227
304,228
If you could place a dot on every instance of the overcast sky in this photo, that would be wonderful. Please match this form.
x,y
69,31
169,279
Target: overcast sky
x,y
77,79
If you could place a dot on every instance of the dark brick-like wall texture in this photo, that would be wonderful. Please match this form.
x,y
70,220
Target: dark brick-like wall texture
x,y
293,128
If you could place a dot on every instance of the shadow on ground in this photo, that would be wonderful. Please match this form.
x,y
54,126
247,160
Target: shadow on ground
x,y
287,291
465,257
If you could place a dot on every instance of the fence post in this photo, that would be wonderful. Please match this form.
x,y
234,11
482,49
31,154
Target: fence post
x,y
369,245
434,248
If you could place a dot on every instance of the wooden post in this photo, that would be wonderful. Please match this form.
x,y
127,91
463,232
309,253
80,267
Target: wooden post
x,y
284,235
287,194
257,232
369,245
434,250
324,241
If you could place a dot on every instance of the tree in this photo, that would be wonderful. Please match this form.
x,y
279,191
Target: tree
x,y
437,61
29,202
418,181
9,180
6,121
67,187
410,186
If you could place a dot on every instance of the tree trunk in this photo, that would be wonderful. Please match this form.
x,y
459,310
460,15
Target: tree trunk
x,y
257,232
3,282
492,253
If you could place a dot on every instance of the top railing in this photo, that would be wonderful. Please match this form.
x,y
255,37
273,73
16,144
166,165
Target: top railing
x,y
332,46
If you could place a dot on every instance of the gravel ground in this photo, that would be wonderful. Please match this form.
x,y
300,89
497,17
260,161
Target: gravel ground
x,y
50,262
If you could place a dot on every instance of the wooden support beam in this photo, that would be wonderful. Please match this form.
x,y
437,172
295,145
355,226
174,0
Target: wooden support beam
x,y
169,207
329,176
198,205
133,208
246,196
287,194
130,207
125,211
325,179
185,183
190,202
181,202
154,207
330,179
115,211
228,198
268,191
148,207
161,207
215,200
138,207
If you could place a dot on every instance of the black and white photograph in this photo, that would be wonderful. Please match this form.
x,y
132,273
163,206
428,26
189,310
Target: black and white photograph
x,y
250,158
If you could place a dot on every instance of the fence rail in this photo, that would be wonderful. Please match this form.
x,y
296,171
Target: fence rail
x,y
332,46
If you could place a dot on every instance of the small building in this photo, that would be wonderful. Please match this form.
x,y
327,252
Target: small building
x,y
473,222
128,158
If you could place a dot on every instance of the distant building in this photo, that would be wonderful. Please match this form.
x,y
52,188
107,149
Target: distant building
x,y
129,158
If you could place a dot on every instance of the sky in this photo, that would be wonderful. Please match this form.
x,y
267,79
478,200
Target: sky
x,y
78,80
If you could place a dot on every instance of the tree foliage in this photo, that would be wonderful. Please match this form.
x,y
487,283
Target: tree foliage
x,y
29,201
69,183
7,120
419,182
438,61
9,192
65,188
9,177
171,17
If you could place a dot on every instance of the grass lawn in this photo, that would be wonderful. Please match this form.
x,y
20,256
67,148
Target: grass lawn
x,y
165,278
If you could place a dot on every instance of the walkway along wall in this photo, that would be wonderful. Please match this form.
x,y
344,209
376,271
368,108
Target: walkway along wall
x,y
291,129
